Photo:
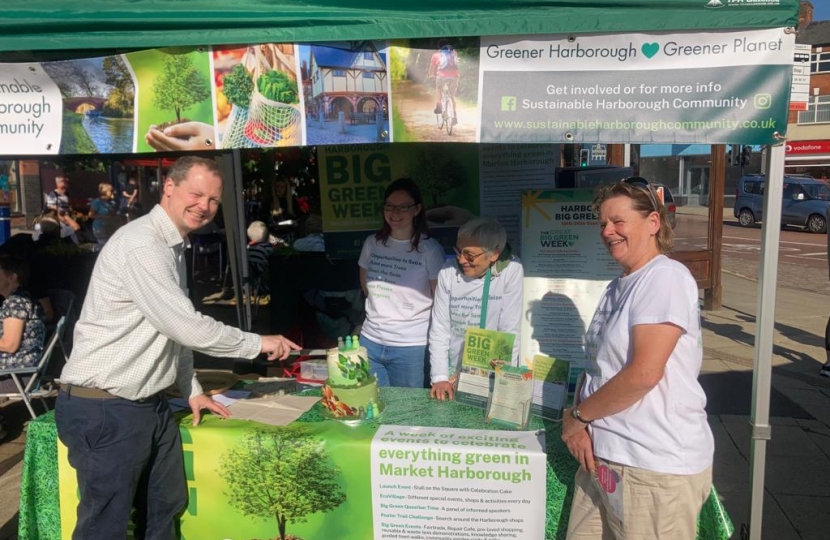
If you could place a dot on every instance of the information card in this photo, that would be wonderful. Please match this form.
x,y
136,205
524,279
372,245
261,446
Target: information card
x,y
435,483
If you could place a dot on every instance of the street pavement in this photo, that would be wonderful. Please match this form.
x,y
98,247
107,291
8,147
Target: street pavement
x,y
797,488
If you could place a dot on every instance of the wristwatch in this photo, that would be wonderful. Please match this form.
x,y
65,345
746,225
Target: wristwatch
x,y
577,416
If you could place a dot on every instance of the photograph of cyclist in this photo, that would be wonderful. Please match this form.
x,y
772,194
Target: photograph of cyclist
x,y
443,67
435,89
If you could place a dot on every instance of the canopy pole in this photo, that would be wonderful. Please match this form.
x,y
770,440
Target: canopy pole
x,y
764,331
235,233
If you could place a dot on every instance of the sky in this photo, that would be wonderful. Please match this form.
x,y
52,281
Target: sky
x,y
821,10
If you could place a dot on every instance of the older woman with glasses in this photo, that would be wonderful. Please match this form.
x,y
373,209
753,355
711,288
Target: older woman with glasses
x,y
483,263
638,427
398,270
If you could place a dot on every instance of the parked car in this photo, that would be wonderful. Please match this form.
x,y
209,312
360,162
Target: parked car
x,y
805,202
668,200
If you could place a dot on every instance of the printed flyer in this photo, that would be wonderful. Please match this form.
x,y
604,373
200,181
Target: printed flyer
x,y
566,270
484,351
550,386
506,171
436,483
510,402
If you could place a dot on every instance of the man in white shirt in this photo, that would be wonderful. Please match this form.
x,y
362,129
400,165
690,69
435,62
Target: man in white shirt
x,y
135,338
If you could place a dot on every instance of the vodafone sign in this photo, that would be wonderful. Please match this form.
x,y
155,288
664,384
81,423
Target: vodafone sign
x,y
807,147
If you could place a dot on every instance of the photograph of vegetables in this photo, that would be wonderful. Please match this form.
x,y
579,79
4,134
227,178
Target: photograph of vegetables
x,y
257,96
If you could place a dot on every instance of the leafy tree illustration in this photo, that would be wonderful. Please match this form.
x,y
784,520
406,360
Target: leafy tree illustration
x,y
179,85
436,171
280,473
121,96
502,349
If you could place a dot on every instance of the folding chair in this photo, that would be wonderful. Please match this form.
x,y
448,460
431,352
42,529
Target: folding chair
x,y
63,302
33,388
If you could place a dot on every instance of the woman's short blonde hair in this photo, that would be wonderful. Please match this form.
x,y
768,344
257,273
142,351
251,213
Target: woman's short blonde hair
x,y
104,187
641,196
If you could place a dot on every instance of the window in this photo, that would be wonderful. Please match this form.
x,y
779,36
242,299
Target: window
x,y
368,75
339,72
820,62
368,56
818,111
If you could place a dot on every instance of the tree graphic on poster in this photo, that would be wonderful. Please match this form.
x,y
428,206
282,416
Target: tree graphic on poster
x,y
180,85
436,171
281,473
122,95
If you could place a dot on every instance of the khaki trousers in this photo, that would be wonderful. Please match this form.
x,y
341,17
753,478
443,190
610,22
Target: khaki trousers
x,y
625,503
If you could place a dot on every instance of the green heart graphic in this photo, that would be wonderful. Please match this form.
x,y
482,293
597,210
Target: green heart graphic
x,y
650,49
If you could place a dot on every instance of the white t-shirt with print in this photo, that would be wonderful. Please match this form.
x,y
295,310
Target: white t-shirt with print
x,y
666,431
458,307
400,298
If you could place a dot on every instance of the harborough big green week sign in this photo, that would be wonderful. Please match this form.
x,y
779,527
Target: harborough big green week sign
x,y
719,87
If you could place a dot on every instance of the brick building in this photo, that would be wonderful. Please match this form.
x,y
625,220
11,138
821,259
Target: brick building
x,y
808,132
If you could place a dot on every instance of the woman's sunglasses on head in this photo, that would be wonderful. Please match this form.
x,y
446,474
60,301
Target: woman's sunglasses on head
x,y
643,184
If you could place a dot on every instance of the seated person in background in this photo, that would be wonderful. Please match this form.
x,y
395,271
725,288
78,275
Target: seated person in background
x,y
259,249
23,329
282,203
482,254
30,248
58,200
311,235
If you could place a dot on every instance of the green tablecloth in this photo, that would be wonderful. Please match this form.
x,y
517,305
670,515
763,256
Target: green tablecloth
x,y
39,498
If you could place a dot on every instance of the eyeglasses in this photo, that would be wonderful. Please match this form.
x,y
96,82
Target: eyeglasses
x,y
398,208
469,257
643,184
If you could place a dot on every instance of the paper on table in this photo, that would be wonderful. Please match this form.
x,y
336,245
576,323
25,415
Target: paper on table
x,y
276,411
229,397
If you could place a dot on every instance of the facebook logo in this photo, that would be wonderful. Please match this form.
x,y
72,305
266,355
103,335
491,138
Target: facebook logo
x,y
508,103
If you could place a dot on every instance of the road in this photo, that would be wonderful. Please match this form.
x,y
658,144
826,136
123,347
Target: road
x,y
802,256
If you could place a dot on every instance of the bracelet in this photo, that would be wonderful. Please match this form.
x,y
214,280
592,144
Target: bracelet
x,y
575,413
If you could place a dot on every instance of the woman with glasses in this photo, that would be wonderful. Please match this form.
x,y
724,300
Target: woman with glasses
x,y
398,269
483,262
638,427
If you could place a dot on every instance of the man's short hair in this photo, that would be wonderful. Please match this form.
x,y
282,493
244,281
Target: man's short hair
x,y
258,232
61,177
183,165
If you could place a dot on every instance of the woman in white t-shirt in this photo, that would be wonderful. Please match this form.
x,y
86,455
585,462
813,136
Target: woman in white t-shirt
x,y
398,270
638,428
483,262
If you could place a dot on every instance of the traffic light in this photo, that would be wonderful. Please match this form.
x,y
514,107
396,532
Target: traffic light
x,y
746,155
583,158
735,155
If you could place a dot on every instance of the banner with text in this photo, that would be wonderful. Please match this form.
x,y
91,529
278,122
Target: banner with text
x,y
437,483
716,87
566,270
332,480
713,87
353,179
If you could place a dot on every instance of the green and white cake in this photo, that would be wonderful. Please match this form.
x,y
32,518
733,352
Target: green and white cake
x,y
350,392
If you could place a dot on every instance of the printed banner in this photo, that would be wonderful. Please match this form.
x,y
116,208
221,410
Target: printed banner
x,y
566,270
331,480
714,87
637,88
30,110
436,483
353,179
